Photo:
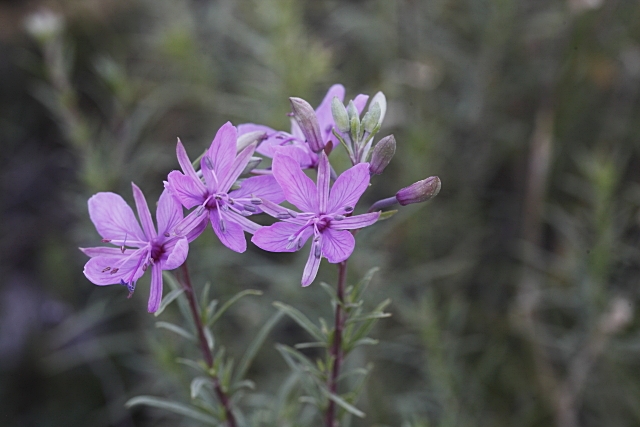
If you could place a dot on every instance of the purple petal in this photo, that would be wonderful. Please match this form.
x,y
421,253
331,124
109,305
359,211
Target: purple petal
x,y
298,188
282,213
301,153
190,192
296,132
209,174
324,174
177,254
265,147
236,169
355,222
113,218
246,224
183,160
229,232
155,293
360,102
101,250
323,112
348,188
337,245
277,237
223,149
264,187
168,213
191,222
100,270
313,263
143,212
197,230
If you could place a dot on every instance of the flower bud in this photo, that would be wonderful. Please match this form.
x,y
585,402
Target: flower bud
x,y
249,138
420,191
251,165
308,122
352,111
382,103
372,118
382,154
340,115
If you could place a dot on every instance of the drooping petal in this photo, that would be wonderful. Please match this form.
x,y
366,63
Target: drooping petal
x,y
101,250
348,188
298,188
190,192
143,212
355,222
176,254
323,112
281,237
266,147
313,263
236,169
263,187
111,270
337,245
246,224
113,218
230,233
324,174
168,213
301,153
222,151
360,102
184,161
155,293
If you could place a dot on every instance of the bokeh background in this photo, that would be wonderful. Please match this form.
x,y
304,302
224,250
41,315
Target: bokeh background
x,y
513,290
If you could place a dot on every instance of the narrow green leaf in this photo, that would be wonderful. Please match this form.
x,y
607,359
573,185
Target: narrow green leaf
x,y
205,292
176,329
183,305
371,316
310,345
344,404
211,308
196,385
229,303
191,363
365,341
168,299
175,407
387,214
301,320
297,360
254,346
329,290
362,285
243,384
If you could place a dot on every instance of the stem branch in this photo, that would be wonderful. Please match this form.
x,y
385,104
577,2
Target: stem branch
x,y
204,346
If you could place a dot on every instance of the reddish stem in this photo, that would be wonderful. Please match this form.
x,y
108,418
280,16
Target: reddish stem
x,y
204,346
336,348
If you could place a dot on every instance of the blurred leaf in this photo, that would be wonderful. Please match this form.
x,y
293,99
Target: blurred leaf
x,y
233,300
176,329
255,345
168,299
301,320
175,407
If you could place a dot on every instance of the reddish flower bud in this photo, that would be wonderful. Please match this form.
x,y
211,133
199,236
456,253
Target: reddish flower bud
x,y
304,114
382,154
420,191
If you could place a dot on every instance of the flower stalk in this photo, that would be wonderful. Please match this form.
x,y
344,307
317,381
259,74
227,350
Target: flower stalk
x,y
204,346
336,348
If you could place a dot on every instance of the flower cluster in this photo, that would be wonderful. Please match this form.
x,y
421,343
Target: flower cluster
x,y
228,188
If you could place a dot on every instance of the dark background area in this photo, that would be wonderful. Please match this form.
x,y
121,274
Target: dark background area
x,y
513,290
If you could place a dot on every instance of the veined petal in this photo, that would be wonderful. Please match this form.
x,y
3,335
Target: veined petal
x,y
272,141
222,151
355,222
324,174
337,245
230,233
265,187
246,224
210,177
113,218
155,293
323,112
348,188
176,254
143,212
281,213
191,222
101,250
236,169
197,230
184,161
298,188
281,237
189,191
360,102
301,153
313,262
168,213
111,270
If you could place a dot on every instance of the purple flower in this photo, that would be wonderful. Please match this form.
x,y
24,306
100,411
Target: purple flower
x,y
216,203
117,225
294,141
325,213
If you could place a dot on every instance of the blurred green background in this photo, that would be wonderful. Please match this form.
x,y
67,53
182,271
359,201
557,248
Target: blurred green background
x,y
513,290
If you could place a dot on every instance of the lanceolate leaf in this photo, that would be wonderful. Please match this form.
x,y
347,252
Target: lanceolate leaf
x,y
175,407
168,299
176,329
254,347
301,320
229,303
344,404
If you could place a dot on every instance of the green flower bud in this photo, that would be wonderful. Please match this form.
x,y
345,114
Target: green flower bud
x,y
340,115
372,118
